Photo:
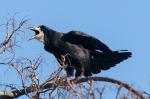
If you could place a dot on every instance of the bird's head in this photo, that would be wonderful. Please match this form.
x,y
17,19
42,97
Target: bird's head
x,y
44,34
39,33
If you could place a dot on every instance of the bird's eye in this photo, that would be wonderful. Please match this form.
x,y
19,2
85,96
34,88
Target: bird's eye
x,y
38,27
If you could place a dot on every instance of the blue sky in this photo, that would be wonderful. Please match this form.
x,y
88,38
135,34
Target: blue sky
x,y
121,24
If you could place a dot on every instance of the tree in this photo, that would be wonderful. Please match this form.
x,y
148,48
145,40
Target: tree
x,y
57,85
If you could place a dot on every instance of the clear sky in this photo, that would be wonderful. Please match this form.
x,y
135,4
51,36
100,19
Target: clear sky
x,y
121,24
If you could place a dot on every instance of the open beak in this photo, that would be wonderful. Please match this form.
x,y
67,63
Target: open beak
x,y
32,29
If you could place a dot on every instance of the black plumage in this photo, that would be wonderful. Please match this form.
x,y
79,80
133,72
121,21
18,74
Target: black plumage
x,y
78,51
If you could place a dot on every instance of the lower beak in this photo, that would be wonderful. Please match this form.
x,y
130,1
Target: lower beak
x,y
32,38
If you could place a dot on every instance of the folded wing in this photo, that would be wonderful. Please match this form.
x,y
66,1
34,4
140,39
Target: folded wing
x,y
88,42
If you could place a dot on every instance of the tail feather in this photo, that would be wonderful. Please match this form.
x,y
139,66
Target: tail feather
x,y
115,58
105,61
120,56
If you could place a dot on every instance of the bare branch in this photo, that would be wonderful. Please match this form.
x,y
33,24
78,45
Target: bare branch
x,y
17,93
10,40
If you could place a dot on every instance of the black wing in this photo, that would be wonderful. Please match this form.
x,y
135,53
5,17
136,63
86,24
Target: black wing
x,y
89,42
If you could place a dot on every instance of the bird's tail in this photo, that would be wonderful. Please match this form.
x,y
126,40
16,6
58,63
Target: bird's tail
x,y
119,56
105,61
116,58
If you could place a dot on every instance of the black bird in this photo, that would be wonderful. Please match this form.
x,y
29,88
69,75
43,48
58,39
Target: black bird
x,y
78,51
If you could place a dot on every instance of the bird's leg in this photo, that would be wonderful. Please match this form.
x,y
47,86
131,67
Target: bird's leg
x,y
77,75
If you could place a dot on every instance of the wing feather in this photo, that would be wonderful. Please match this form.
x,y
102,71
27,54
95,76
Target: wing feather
x,y
87,41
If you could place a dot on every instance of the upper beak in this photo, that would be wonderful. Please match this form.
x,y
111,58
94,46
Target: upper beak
x,y
31,28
